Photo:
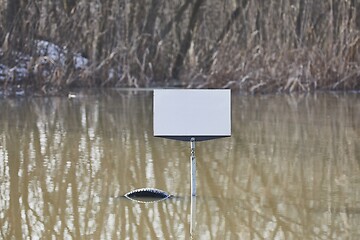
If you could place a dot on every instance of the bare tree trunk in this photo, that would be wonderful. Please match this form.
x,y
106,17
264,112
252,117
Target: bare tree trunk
x,y
164,32
355,13
14,36
12,14
299,21
104,29
335,19
185,44
149,44
69,5
209,57
261,20
151,17
130,21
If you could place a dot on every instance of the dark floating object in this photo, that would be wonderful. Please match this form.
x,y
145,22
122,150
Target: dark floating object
x,y
147,195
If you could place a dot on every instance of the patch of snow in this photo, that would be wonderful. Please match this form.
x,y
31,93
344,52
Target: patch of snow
x,y
111,73
79,61
19,71
20,92
115,73
16,73
58,54
49,53
3,71
21,68
51,50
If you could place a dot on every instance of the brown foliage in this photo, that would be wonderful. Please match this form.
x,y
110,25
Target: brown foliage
x,y
256,46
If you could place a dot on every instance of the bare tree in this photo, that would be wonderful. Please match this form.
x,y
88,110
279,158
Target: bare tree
x,y
245,44
185,44
12,13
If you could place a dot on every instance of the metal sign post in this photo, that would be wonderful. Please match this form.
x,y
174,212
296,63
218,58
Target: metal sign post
x,y
193,186
193,167
192,115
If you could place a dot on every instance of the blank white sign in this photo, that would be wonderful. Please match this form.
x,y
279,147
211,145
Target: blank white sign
x,y
184,113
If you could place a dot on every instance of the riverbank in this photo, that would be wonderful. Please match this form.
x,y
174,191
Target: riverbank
x,y
52,70
257,47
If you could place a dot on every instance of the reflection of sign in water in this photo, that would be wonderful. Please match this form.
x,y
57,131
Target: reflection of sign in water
x,y
185,113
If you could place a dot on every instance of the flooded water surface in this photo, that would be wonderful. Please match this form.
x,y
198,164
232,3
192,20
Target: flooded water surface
x,y
291,170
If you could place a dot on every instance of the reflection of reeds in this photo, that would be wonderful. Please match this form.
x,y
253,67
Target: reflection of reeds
x,y
289,170
248,45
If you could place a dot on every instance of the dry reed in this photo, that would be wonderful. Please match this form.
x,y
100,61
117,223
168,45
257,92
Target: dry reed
x,y
255,46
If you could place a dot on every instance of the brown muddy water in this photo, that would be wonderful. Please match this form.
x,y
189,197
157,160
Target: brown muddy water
x,y
291,170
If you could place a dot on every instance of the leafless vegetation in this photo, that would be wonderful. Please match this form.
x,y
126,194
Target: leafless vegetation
x,y
251,45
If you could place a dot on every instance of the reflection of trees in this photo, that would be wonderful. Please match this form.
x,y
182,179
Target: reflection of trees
x,y
290,170
65,161
295,173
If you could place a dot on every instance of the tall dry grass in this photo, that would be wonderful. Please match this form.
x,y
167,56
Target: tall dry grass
x,y
251,45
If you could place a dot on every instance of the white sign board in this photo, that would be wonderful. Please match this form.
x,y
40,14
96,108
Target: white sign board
x,y
185,113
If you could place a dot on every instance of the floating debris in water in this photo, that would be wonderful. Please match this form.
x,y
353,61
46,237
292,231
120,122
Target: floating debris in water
x,y
147,195
71,95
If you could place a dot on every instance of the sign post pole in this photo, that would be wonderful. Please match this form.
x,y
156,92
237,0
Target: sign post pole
x,y
193,167
193,186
